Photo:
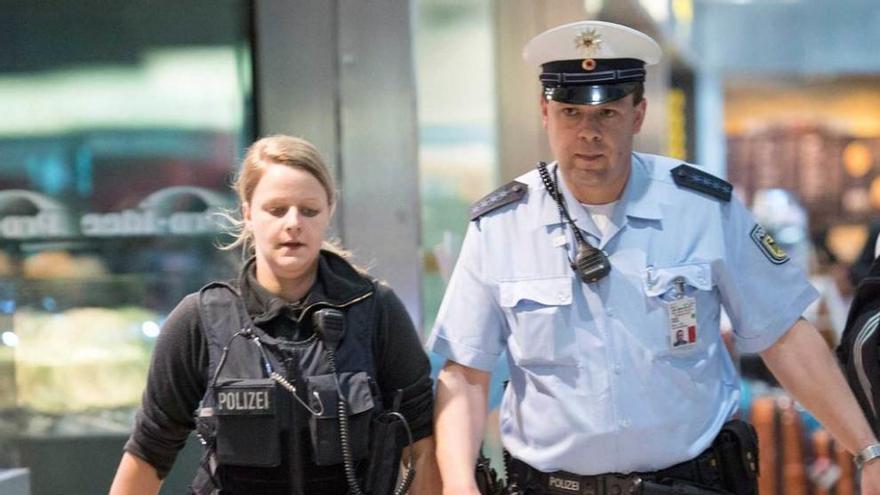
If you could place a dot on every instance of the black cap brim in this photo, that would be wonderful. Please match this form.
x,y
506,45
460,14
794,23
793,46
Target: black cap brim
x,y
595,94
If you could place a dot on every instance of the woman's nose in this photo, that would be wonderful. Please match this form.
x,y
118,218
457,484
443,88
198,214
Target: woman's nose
x,y
293,220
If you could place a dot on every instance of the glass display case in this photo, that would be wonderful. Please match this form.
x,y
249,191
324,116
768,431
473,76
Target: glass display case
x,y
85,285
119,141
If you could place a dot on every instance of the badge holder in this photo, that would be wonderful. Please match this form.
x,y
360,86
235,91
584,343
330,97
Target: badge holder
x,y
682,314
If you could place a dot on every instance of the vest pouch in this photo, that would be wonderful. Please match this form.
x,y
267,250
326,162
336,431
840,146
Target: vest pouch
x,y
325,429
248,432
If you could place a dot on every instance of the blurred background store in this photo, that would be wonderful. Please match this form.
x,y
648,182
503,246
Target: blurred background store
x,y
123,124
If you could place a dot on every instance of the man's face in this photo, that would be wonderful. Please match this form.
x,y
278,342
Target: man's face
x,y
593,143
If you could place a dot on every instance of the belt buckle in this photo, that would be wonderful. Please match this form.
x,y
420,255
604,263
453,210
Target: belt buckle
x,y
622,485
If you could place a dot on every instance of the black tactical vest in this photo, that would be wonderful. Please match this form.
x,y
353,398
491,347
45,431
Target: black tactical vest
x,y
269,416
859,345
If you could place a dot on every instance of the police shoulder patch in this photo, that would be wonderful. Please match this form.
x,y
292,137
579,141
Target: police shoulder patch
x,y
704,182
508,193
768,246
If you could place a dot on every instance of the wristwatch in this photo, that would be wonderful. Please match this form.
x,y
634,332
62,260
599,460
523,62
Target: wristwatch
x,y
869,453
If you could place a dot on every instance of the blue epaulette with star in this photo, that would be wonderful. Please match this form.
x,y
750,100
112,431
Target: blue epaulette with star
x,y
506,194
704,182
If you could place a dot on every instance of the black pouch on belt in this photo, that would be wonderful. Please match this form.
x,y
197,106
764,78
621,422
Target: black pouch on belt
x,y
737,449
248,432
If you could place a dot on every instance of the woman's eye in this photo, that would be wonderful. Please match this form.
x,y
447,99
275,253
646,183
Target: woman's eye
x,y
277,211
308,212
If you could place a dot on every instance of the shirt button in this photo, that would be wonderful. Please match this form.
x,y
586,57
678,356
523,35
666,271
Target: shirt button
x,y
609,311
561,296
618,369
624,423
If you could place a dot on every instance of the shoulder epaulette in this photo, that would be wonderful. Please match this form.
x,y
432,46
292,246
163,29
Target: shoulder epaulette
x,y
506,194
706,183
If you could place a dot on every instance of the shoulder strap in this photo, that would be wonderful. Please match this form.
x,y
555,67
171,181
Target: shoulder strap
x,y
508,193
704,182
222,313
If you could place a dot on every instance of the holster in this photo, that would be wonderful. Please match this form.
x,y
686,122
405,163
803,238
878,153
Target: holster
x,y
487,479
737,450
384,456
205,481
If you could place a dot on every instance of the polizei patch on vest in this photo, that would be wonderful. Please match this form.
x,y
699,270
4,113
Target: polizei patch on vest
x,y
244,400
768,246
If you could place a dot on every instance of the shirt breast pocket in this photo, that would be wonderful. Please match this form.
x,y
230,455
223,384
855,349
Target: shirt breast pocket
x,y
538,312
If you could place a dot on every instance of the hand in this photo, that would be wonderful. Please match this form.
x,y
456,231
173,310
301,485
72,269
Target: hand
x,y
870,477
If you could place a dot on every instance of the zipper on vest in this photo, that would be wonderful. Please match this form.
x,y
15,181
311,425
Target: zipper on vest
x,y
296,462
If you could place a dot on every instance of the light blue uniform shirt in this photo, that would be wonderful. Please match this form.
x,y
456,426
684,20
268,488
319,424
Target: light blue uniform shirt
x,y
595,384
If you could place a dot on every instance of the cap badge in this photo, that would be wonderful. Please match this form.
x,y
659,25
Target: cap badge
x,y
589,41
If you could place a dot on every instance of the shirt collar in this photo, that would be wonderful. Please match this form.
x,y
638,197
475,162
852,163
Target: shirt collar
x,y
263,305
334,273
639,200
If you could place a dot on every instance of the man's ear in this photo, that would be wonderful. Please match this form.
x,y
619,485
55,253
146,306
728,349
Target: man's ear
x,y
641,110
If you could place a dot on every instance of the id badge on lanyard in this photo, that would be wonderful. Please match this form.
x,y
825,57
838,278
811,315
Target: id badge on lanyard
x,y
682,314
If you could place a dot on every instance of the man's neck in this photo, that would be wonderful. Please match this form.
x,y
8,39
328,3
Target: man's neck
x,y
598,195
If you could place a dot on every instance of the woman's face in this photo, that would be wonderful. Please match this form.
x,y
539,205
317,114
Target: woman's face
x,y
288,215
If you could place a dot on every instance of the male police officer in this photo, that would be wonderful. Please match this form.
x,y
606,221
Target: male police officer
x,y
597,384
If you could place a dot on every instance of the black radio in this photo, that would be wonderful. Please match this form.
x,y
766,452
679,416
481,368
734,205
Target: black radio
x,y
591,263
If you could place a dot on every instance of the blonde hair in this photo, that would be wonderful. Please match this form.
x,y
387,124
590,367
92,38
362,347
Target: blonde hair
x,y
276,150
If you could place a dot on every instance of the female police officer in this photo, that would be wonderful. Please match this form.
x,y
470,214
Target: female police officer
x,y
586,270
290,368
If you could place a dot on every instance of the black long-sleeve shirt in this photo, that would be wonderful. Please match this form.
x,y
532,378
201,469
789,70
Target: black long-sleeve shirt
x,y
178,373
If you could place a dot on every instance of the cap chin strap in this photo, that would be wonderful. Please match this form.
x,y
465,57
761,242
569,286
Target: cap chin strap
x,y
589,94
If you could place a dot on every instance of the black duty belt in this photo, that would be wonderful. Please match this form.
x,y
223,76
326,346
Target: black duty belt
x,y
702,472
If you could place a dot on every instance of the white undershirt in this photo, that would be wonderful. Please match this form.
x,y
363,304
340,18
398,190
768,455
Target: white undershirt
x,y
601,215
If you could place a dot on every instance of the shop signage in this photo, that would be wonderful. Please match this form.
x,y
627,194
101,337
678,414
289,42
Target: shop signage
x,y
50,220
153,216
